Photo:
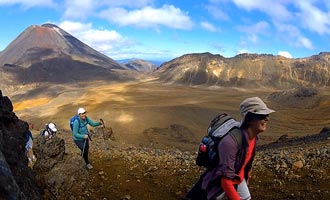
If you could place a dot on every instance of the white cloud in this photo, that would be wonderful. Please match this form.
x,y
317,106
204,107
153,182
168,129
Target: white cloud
x,y
278,9
167,15
284,54
253,31
249,4
217,13
257,28
79,8
314,18
127,3
306,12
253,38
28,3
305,42
293,36
105,41
208,26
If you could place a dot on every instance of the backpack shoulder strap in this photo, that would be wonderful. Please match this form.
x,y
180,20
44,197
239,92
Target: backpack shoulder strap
x,y
237,134
77,118
79,123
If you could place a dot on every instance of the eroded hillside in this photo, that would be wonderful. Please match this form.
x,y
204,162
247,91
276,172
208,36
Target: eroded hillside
x,y
247,71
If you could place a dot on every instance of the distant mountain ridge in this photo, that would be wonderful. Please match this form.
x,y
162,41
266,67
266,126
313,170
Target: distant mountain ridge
x,y
138,65
247,70
49,54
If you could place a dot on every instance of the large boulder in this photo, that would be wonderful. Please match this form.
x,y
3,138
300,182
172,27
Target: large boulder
x,y
17,179
57,172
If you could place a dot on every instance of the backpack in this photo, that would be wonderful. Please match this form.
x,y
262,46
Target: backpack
x,y
219,127
72,119
42,131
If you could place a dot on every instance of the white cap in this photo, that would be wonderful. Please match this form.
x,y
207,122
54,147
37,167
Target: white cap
x,y
81,110
52,127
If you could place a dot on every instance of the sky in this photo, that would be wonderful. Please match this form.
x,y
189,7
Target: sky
x,y
165,29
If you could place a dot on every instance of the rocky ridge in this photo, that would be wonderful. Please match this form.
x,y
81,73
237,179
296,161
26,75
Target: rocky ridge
x,y
247,71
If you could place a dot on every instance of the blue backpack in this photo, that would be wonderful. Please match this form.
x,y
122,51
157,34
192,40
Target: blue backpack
x,y
72,119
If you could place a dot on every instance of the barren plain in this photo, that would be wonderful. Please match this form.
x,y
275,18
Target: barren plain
x,y
162,117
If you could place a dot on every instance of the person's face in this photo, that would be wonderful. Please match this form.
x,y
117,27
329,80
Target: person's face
x,y
259,124
82,115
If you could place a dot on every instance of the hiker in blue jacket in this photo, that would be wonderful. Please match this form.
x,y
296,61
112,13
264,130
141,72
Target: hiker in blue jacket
x,y
81,134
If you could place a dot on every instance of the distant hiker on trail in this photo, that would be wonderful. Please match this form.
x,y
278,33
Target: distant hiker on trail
x,y
29,145
80,133
228,178
50,131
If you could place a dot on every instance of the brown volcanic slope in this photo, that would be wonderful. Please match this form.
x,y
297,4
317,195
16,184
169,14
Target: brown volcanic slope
x,y
49,54
247,70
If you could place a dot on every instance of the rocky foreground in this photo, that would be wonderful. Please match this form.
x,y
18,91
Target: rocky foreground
x,y
291,168
287,169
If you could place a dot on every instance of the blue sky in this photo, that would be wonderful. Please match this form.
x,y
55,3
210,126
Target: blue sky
x,y
165,29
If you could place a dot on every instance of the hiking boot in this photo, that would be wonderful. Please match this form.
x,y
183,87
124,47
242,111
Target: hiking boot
x,y
89,166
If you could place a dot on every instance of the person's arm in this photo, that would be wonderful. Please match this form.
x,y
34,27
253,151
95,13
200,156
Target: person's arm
x,y
227,152
76,132
92,123
229,189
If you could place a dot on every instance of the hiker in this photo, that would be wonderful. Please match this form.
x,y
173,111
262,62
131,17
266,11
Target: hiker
x,y
29,145
81,134
228,179
50,131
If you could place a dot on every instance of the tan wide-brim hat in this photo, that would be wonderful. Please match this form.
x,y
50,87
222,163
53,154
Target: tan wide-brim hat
x,y
254,105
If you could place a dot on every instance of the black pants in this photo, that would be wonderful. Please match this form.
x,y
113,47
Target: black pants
x,y
196,192
81,144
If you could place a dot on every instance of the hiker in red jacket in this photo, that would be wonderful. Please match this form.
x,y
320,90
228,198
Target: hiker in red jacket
x,y
229,178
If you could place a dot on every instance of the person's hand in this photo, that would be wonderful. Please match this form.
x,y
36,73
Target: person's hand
x,y
85,136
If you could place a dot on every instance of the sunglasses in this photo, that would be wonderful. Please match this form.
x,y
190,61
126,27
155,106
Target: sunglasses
x,y
261,117
84,113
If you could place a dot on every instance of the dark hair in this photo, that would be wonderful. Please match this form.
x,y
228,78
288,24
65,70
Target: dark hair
x,y
251,117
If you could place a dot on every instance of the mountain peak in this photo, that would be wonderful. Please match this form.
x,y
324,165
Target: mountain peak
x,y
42,51
49,41
49,25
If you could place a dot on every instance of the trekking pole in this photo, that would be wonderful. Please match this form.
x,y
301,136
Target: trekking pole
x,y
101,120
89,137
83,151
107,134
102,128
